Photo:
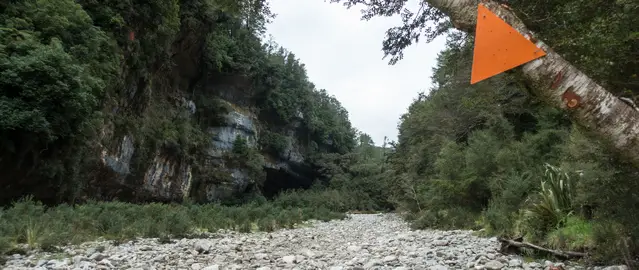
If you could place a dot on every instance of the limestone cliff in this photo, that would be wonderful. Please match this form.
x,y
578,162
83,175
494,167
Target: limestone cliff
x,y
166,177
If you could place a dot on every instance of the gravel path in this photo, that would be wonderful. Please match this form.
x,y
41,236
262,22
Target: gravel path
x,y
371,241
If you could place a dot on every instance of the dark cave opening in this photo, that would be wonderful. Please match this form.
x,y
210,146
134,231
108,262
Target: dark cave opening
x,y
278,180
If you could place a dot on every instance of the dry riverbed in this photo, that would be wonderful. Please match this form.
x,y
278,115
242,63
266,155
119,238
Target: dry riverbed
x,y
362,241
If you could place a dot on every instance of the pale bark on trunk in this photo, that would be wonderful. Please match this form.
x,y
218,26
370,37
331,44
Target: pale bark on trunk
x,y
553,79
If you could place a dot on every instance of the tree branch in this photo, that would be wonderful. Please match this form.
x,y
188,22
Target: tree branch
x,y
506,243
557,82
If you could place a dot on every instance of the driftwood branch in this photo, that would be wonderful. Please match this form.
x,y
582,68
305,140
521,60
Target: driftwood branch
x,y
508,244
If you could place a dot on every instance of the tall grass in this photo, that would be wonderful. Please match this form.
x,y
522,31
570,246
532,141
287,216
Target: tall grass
x,y
576,234
31,223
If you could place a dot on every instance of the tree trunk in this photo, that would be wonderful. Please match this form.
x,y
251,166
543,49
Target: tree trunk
x,y
560,84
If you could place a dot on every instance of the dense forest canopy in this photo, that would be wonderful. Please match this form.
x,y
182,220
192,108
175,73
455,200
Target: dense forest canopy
x,y
493,156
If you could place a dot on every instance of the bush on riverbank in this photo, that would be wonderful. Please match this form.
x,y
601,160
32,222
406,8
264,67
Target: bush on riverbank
x,y
475,157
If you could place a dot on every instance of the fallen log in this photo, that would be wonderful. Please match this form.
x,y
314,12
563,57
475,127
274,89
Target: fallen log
x,y
507,244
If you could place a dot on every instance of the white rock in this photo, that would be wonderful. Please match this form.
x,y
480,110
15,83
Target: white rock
x,y
289,259
616,267
261,256
308,253
494,265
372,263
212,267
514,263
202,246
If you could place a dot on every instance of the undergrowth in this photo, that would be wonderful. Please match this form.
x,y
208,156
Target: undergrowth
x,y
30,223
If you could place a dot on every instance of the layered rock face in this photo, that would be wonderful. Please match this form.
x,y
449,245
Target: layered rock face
x,y
168,179
165,178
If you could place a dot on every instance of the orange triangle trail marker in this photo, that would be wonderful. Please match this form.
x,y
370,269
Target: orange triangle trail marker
x,y
498,47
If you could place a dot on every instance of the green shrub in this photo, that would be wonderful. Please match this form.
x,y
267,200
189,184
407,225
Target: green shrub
x,y
266,224
452,218
273,142
576,234
550,209
614,244
5,246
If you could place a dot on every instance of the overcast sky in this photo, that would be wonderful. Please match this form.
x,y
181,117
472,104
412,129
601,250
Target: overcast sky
x,y
343,55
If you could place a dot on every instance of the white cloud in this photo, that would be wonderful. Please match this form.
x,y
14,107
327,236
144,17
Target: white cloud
x,y
343,55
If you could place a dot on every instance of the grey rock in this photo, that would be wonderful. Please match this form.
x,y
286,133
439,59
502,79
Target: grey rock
x,y
372,263
84,265
97,256
440,242
494,265
389,258
41,263
107,263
